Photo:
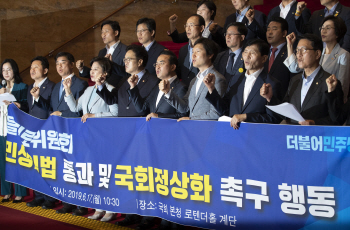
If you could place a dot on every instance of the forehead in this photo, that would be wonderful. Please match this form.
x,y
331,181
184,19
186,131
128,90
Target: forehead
x,y
275,24
328,23
36,63
142,26
163,58
96,65
252,48
6,65
305,43
193,20
202,7
198,47
232,29
62,59
130,54
107,27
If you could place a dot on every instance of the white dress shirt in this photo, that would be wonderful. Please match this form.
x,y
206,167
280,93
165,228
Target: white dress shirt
x,y
200,76
285,10
249,83
111,49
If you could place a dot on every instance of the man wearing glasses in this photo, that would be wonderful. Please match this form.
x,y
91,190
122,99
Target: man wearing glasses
x,y
307,90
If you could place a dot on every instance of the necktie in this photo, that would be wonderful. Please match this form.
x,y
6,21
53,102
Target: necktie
x,y
61,89
272,57
229,68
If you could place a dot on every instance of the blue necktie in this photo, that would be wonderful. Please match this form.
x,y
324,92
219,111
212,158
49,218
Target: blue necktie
x,y
229,68
60,93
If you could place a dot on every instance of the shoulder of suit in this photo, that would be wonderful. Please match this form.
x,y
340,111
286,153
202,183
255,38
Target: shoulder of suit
x,y
22,85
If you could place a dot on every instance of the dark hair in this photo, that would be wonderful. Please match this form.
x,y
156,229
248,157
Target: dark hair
x,y
44,62
14,66
262,46
172,57
242,29
69,56
200,19
150,23
210,5
339,26
209,46
316,42
104,63
114,24
140,53
282,21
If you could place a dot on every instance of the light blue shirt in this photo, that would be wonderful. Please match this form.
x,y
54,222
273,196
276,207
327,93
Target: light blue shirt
x,y
149,46
237,52
140,75
239,17
331,11
307,83
279,47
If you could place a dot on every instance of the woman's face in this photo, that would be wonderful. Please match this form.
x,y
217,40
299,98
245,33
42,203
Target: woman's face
x,y
328,31
96,72
7,72
204,12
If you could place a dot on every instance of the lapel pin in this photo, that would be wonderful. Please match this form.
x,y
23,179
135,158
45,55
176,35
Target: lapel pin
x,y
316,83
332,58
241,59
44,87
143,80
172,87
240,70
321,15
336,14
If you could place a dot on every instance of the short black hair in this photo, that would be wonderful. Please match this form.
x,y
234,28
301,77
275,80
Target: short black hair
x,y
242,29
150,23
282,21
44,62
104,63
210,5
209,46
263,47
200,19
140,53
339,26
172,57
15,69
69,56
316,42
114,24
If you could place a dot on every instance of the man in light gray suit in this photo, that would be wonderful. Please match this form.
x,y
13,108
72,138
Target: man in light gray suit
x,y
204,53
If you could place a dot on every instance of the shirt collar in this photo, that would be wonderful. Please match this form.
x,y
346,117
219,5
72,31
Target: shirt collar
x,y
237,52
149,46
243,12
172,79
287,6
40,83
114,46
279,47
140,75
255,74
205,72
312,76
331,11
70,76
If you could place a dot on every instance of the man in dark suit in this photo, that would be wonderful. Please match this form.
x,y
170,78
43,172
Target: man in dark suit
x,y
307,90
287,10
332,7
114,50
155,103
230,62
242,100
194,28
146,33
276,36
58,107
38,72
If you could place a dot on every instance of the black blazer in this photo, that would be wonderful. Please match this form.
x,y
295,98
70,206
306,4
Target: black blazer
x,y
19,91
232,102
313,25
164,109
339,112
117,58
56,104
153,54
45,94
275,12
315,106
186,71
123,98
221,62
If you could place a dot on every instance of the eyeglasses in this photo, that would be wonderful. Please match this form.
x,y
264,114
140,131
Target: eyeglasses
x,y
127,60
302,50
141,31
230,34
327,28
190,25
160,64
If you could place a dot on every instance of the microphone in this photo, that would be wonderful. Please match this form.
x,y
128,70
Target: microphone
x,y
3,83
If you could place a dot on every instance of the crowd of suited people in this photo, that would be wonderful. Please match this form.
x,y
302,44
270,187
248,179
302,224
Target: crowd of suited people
x,y
236,70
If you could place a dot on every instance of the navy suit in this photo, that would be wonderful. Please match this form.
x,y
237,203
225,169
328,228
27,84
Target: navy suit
x,y
275,12
153,54
163,109
186,71
315,22
121,97
232,102
117,57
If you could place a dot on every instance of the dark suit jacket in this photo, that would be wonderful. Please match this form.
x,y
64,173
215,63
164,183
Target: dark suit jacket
x,y
19,91
275,12
315,106
339,112
279,71
122,97
232,102
58,104
186,71
313,25
153,54
163,109
45,94
117,57
221,62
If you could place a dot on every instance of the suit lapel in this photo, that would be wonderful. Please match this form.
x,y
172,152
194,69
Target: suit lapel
x,y
256,88
116,53
152,49
240,91
313,88
332,58
141,84
279,59
95,100
291,12
223,64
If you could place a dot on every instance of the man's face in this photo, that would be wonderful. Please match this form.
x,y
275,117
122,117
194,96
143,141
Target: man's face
x,y
239,4
163,67
37,71
131,62
64,67
108,35
252,58
199,56
204,11
143,34
193,30
274,34
306,56
233,38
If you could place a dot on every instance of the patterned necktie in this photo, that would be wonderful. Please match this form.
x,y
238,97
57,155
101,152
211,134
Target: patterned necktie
x,y
229,68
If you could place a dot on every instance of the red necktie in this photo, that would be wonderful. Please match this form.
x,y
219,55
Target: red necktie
x,y
272,58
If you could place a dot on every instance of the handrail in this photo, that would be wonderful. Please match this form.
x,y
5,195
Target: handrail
x,y
81,33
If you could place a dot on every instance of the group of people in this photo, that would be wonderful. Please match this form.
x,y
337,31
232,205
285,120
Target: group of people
x,y
235,70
